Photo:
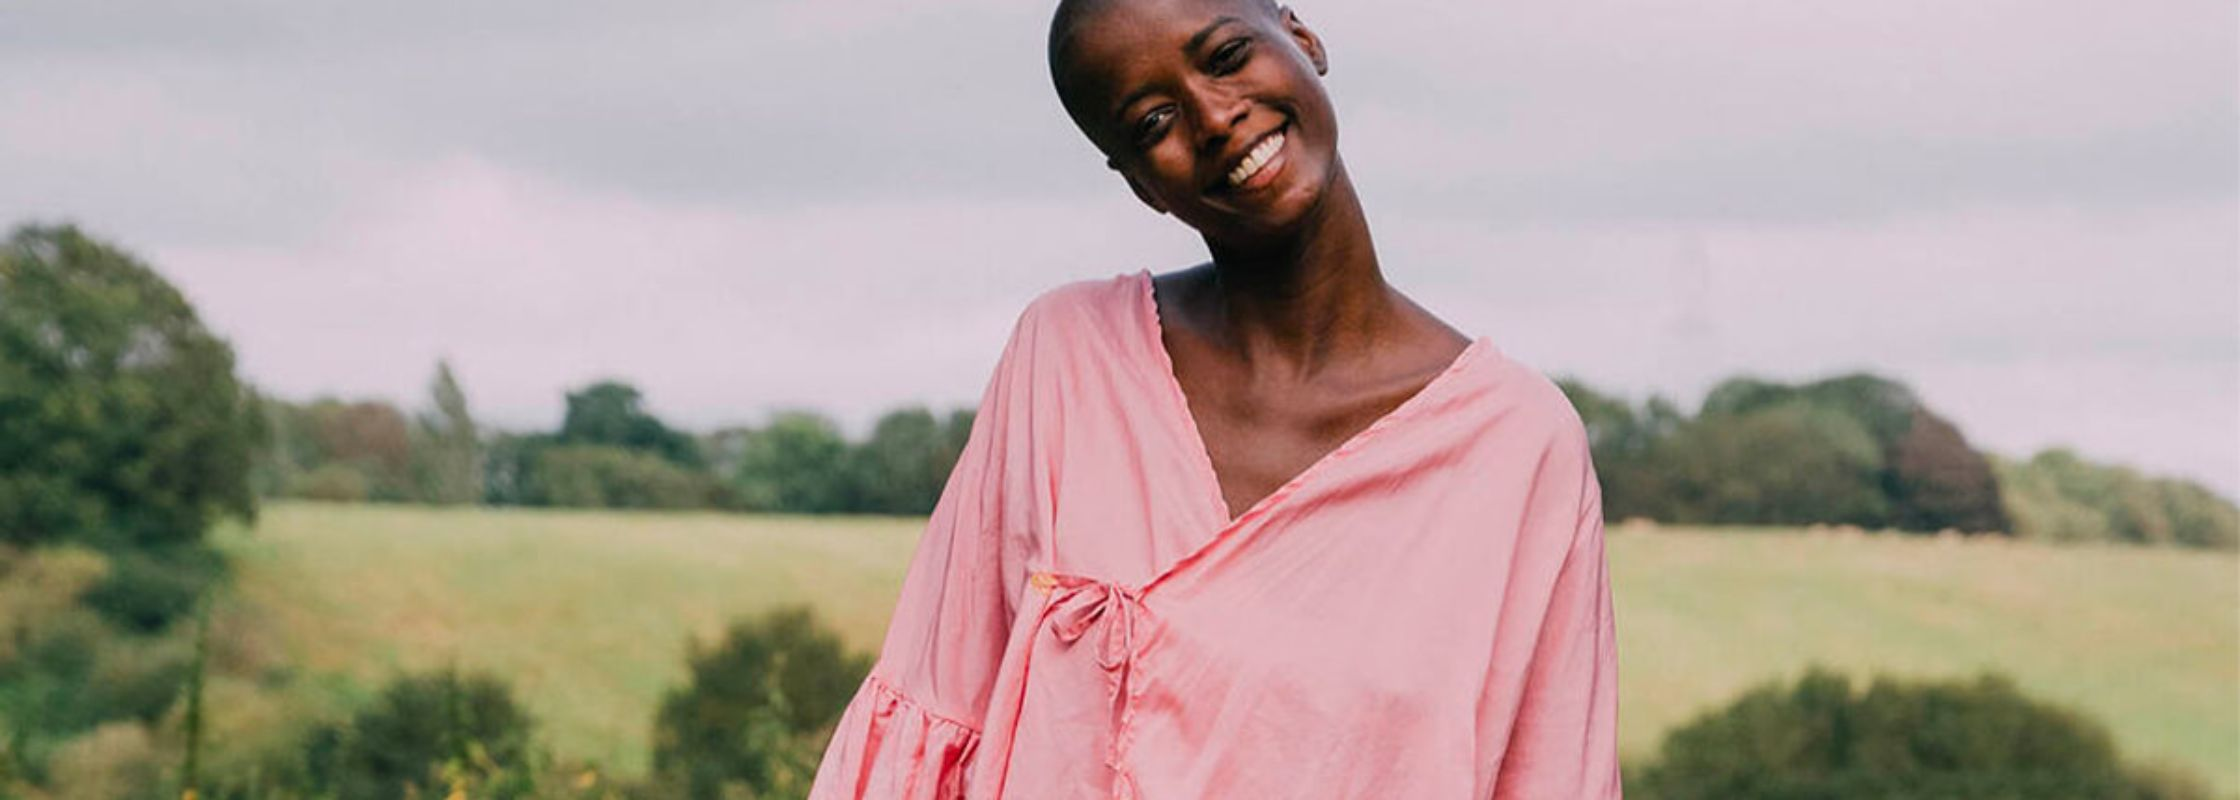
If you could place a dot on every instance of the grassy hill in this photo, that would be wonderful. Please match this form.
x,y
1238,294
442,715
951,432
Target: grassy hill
x,y
588,613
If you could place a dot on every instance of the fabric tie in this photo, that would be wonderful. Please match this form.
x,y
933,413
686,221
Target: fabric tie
x,y
1078,604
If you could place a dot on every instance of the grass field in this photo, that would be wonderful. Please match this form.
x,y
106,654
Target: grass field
x,y
588,613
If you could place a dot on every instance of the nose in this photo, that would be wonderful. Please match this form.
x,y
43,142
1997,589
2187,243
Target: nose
x,y
1215,114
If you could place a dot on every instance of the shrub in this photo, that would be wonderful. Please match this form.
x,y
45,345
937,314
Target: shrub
x,y
758,710
1821,740
2058,496
418,728
599,476
334,483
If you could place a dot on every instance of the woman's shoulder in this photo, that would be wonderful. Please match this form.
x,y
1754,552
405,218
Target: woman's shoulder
x,y
1087,296
1523,397
1086,311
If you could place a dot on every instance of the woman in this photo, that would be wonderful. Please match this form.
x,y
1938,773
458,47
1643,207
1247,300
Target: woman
x,y
1261,528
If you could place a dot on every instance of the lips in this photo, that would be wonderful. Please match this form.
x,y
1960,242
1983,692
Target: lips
x,y
1253,162
1255,159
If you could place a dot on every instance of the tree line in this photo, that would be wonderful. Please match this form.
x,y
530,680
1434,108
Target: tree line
x,y
608,452
1864,450
1856,449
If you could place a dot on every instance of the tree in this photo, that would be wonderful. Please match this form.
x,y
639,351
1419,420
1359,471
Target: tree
x,y
420,725
1820,739
798,463
601,476
120,417
369,437
759,708
1784,464
1936,481
610,413
450,448
901,468
122,424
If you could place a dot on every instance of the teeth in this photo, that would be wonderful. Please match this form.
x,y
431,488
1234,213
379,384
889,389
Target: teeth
x,y
1256,159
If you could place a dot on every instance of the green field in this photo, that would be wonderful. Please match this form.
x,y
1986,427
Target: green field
x,y
588,613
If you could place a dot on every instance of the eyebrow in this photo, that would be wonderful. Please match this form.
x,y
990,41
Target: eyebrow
x,y
1197,40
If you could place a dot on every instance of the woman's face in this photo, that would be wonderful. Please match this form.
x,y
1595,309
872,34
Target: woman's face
x,y
1213,110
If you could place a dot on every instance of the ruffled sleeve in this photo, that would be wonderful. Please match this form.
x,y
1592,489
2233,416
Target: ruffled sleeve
x,y
913,727
889,746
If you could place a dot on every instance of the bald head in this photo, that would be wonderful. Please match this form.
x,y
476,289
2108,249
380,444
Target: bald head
x,y
1074,17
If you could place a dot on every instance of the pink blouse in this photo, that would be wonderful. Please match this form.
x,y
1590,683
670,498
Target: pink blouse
x,y
1422,613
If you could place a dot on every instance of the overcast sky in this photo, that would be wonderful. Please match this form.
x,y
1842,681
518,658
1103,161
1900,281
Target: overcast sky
x,y
2028,211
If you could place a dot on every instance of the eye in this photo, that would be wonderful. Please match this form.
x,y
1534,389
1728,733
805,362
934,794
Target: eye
x,y
1152,125
1231,55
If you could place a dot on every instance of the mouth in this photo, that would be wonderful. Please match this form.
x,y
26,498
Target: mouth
x,y
1255,161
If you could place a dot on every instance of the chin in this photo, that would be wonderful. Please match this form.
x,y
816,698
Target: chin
x,y
1281,217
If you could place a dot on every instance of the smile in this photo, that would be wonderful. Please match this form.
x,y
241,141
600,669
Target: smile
x,y
1259,157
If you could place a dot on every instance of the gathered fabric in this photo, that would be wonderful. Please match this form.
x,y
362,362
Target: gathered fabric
x,y
1424,612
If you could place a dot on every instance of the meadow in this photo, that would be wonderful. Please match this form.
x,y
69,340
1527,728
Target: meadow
x,y
589,614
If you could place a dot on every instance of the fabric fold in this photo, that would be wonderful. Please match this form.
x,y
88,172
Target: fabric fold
x,y
888,746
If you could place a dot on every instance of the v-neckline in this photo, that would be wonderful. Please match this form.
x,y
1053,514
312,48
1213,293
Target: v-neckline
x,y
1179,404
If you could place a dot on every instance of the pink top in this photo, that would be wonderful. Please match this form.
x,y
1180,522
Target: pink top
x,y
1423,613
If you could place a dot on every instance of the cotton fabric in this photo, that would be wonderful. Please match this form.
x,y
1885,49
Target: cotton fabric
x,y
1422,613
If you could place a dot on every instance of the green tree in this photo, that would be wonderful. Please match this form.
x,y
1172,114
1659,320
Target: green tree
x,y
121,420
419,728
1791,463
759,708
902,467
599,476
2059,496
611,413
797,463
1821,740
450,448
122,424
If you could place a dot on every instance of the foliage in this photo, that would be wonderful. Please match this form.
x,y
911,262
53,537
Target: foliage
x,y
1936,481
609,413
420,735
903,467
597,476
447,453
1790,463
2058,496
1821,740
122,424
758,709
65,670
799,463
1857,449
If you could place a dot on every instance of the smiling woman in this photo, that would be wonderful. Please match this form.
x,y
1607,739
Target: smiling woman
x,y
1262,527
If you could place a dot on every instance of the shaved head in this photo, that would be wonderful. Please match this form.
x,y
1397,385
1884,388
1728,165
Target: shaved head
x,y
1072,14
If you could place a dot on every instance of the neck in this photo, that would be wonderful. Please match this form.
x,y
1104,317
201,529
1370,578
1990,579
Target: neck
x,y
1304,301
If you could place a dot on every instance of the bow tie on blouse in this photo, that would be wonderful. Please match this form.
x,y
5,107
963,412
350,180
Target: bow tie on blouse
x,y
1078,604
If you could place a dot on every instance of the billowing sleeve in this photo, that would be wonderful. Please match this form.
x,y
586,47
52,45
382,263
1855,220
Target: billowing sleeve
x,y
912,728
1565,742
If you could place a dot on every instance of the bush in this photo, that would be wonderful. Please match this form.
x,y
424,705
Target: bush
x,y
758,710
334,483
1971,739
417,730
599,476
2057,496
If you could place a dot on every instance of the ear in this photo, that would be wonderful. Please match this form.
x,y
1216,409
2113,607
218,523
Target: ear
x,y
1307,41
1133,186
